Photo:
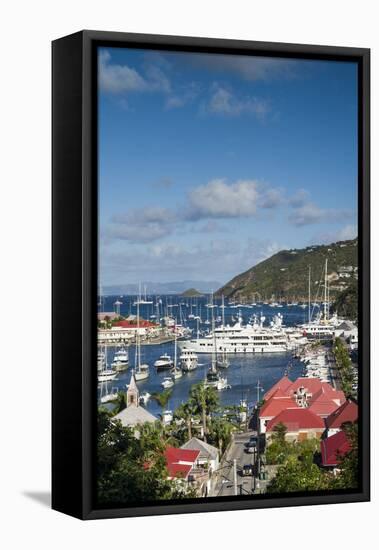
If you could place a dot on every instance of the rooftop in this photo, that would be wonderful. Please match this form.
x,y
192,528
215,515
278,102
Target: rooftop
x,y
334,448
205,449
347,412
296,419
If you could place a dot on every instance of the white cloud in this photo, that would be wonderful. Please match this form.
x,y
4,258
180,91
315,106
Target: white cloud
x,y
120,79
299,198
309,213
141,225
247,67
223,102
345,233
217,199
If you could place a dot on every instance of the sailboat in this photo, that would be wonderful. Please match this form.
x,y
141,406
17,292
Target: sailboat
x,y
223,362
213,377
177,371
142,370
106,374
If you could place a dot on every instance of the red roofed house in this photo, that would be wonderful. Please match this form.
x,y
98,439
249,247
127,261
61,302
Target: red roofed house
x,y
180,462
301,424
275,405
333,449
326,400
283,384
347,412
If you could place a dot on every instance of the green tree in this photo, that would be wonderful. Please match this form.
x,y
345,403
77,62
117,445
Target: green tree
x,y
298,475
130,469
186,412
220,433
349,463
204,400
162,398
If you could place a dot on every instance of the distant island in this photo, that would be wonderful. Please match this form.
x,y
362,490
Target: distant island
x,y
174,287
192,293
284,276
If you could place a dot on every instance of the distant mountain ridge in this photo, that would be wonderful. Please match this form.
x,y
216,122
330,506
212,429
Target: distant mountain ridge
x,y
285,274
176,287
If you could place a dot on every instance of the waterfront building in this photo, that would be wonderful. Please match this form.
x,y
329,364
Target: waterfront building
x,y
134,414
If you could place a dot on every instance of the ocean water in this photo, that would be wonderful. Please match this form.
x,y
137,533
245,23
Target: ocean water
x,y
244,372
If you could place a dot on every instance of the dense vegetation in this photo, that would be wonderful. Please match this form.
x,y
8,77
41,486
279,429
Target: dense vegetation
x,y
346,302
131,469
285,274
345,367
299,470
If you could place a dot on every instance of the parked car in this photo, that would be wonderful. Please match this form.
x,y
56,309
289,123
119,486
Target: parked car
x,y
250,447
247,470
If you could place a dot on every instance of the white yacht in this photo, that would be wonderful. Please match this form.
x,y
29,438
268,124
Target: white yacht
x,y
188,359
120,360
164,362
239,338
106,374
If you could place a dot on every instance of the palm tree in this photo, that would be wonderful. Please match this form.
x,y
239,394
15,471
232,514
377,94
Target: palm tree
x,y
204,400
120,402
162,398
221,431
185,412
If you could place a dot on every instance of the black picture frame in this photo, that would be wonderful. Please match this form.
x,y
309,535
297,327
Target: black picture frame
x,y
74,270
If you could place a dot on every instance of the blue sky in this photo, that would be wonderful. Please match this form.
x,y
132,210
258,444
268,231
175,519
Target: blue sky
x,y
210,163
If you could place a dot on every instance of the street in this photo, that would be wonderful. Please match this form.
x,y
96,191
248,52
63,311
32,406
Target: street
x,y
224,485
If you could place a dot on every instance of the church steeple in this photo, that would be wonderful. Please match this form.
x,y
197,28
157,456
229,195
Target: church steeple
x,y
132,395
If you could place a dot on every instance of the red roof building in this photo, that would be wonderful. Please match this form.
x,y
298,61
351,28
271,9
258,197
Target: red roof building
x,y
180,462
274,406
283,384
347,412
326,400
334,448
133,324
300,423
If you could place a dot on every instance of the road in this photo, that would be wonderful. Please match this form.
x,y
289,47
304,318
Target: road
x,y
224,485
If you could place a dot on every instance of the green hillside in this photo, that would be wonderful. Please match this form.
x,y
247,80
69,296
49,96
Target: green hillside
x,y
191,293
284,276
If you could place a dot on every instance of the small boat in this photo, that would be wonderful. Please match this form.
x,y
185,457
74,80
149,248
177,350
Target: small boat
x,y
167,383
177,373
164,362
142,372
112,396
223,363
120,360
167,416
188,360
144,397
106,374
215,380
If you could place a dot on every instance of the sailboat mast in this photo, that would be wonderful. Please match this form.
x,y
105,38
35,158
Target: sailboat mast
x,y
309,294
138,342
326,291
214,359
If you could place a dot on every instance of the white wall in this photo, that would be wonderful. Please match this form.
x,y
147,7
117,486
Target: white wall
x,y
26,31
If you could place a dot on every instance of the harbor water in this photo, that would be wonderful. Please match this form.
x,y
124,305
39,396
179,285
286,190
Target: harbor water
x,y
244,371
